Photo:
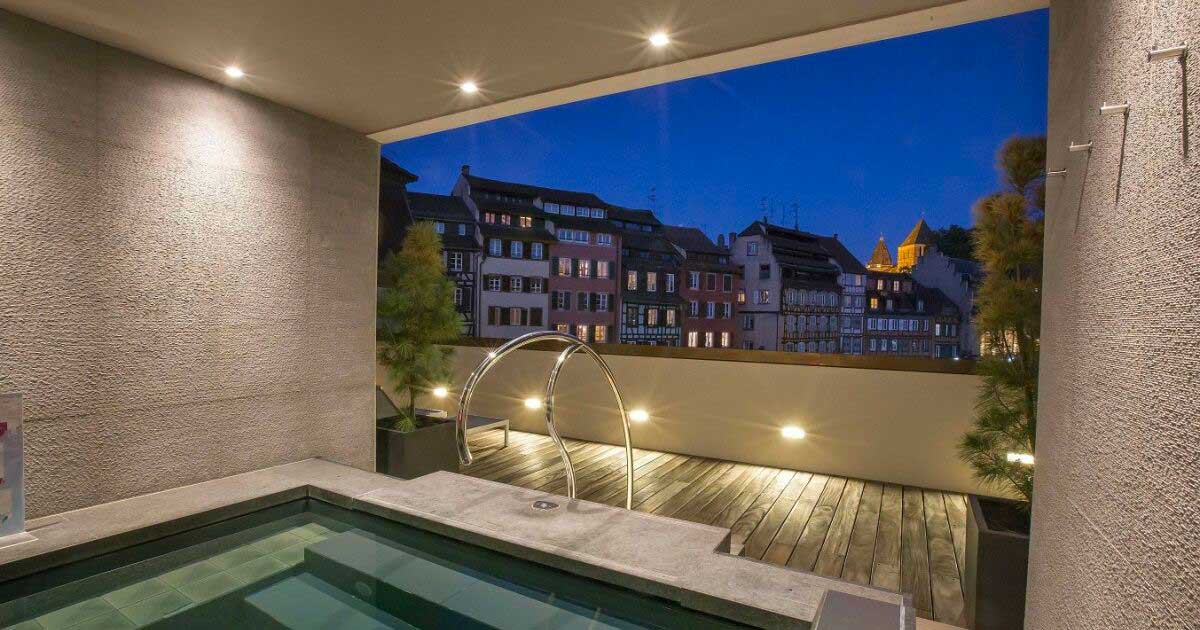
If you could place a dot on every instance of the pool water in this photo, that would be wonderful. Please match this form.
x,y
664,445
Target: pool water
x,y
309,565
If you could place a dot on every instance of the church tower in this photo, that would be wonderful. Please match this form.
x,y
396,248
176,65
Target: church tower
x,y
881,259
913,248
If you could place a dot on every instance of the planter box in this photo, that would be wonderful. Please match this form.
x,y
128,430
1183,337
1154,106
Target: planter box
x,y
409,455
997,562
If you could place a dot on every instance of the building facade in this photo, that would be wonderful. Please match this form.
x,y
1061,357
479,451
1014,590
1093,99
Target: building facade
x,y
793,295
584,264
514,269
650,265
906,319
853,279
709,287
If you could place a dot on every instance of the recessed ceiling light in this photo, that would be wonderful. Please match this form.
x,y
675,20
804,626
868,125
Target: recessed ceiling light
x,y
793,433
468,87
234,72
639,415
440,392
659,39
533,403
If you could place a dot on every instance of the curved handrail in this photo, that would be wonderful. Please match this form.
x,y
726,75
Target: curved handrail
x,y
574,344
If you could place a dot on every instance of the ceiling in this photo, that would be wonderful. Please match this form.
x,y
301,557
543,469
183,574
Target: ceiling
x,y
391,68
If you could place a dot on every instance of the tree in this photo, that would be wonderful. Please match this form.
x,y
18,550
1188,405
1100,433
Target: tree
x,y
416,313
1008,242
955,241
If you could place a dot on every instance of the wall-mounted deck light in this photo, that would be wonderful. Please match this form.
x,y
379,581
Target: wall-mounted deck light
x,y
639,415
792,432
234,72
1023,458
440,392
533,403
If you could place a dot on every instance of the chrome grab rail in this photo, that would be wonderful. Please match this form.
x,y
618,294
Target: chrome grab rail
x,y
574,345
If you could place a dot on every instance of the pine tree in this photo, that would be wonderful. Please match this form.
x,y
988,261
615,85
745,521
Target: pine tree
x,y
1008,242
415,314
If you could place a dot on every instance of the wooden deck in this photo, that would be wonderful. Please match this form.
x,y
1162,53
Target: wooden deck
x,y
898,537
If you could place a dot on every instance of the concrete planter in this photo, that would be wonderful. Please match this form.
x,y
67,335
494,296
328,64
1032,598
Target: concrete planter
x,y
997,562
429,448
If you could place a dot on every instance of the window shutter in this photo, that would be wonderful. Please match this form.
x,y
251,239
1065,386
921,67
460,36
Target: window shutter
x,y
612,304
524,316
566,300
492,315
593,298
554,299
505,318
535,316
527,284
554,266
505,283
571,263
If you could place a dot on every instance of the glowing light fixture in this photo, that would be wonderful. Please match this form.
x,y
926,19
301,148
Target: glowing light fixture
x,y
468,87
1024,458
639,415
440,392
793,432
533,403
658,39
234,72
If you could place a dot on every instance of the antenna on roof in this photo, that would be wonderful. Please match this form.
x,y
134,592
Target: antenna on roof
x,y
653,197
796,217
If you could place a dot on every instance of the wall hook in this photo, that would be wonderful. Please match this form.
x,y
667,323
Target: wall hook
x,y
1166,53
1112,110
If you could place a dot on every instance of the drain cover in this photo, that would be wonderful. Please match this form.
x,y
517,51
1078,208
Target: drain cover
x,y
544,505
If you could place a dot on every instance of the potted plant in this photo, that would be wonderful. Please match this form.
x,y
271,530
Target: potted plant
x,y
415,313
1000,446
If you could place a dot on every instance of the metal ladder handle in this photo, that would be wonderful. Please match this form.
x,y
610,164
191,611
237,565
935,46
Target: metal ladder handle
x,y
574,345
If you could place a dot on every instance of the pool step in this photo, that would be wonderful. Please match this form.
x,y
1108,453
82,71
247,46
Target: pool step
x,y
430,594
305,602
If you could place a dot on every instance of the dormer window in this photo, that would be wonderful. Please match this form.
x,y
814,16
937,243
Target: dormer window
x,y
526,222
506,219
597,213
552,208
489,217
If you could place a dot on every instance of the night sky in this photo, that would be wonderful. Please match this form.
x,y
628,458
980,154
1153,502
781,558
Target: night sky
x,y
862,140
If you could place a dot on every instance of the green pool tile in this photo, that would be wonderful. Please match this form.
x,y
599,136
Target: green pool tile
x,y
188,574
257,569
312,530
76,613
112,621
155,608
277,542
292,555
210,587
32,624
135,593
234,557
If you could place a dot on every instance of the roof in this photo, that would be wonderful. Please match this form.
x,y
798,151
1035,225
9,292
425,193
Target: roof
x,y
430,206
389,169
531,191
935,301
691,239
847,261
495,230
920,235
795,248
881,257
647,241
633,215
581,223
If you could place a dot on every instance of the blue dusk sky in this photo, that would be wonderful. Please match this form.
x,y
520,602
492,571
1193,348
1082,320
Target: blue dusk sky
x,y
863,140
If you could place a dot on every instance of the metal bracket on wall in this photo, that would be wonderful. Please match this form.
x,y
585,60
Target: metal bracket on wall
x,y
1176,52
1056,173
1158,54
1076,148
1122,110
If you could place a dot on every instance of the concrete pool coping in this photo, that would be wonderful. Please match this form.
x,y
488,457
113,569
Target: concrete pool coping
x,y
656,555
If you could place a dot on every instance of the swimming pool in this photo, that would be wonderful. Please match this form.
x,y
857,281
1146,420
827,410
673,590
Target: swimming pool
x,y
307,564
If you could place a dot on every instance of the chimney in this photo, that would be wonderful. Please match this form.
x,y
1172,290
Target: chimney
x,y
466,169
732,238
720,240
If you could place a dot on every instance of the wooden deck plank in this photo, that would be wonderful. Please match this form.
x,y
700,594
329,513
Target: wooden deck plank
x,y
759,541
804,557
832,557
654,501
945,584
702,507
956,512
741,504
600,470
741,529
861,553
509,475
694,489
789,532
885,571
608,491
554,467
914,556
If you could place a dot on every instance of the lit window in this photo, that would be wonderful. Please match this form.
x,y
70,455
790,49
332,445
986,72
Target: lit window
x,y
489,217
670,317
874,303
564,266
708,340
764,296
601,331
631,280
526,222
516,316
581,331
652,317
602,269
565,328
741,296
725,341
584,268
693,339
651,281
506,219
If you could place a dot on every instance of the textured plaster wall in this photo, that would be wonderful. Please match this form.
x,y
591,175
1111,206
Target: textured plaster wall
x,y
1116,518
186,274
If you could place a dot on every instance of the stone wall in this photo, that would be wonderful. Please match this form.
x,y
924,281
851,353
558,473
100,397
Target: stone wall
x,y
1116,517
186,274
